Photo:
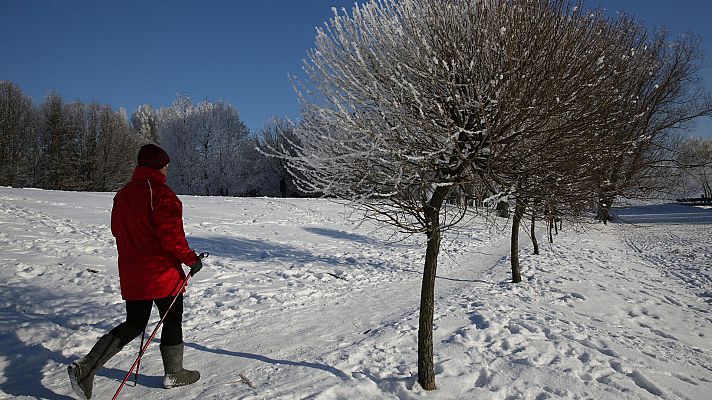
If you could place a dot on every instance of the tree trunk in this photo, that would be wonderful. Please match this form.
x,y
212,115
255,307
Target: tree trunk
x,y
551,228
533,233
426,366
516,221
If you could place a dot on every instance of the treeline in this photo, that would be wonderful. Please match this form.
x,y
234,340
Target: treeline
x,y
58,145
91,147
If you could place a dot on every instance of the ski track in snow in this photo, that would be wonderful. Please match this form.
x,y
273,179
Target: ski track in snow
x,y
302,301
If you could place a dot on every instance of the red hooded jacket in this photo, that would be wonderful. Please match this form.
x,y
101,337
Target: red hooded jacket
x,y
147,221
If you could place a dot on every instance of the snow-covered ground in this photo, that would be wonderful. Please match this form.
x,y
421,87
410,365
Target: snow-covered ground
x,y
308,304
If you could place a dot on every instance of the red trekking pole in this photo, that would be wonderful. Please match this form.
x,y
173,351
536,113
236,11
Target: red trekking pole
x,y
155,330
138,366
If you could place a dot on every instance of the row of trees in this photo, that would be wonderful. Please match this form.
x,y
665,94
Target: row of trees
x,y
541,103
91,147
56,145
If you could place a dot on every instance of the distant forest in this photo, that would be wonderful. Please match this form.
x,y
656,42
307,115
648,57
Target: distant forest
x,y
91,147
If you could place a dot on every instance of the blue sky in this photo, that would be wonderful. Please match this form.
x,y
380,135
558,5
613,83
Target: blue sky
x,y
128,53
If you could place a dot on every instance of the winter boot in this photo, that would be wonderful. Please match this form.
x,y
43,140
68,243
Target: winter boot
x,y
82,371
173,367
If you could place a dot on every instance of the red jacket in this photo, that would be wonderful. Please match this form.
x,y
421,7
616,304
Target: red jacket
x,y
147,221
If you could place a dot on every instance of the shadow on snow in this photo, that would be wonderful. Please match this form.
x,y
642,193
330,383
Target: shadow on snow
x,y
341,235
26,362
354,237
323,367
264,251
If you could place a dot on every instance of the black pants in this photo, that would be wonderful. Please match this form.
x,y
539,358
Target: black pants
x,y
138,313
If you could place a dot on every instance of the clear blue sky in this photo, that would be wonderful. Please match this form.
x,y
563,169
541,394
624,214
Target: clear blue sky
x,y
128,53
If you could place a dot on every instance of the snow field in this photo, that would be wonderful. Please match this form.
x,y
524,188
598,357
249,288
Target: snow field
x,y
305,302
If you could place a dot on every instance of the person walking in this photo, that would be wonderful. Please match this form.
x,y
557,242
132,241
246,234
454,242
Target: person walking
x,y
147,222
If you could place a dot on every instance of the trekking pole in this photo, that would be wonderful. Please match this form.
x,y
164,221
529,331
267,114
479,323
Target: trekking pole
x,y
140,354
155,330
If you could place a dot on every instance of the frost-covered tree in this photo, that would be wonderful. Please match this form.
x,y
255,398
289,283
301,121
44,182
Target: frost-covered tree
x,y
206,143
145,122
406,101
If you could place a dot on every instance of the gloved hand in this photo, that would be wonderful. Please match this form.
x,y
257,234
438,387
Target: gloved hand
x,y
197,266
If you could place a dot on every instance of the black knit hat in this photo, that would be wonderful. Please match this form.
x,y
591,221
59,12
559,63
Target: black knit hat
x,y
152,156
